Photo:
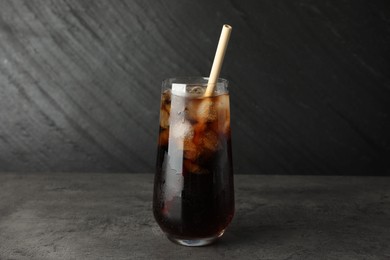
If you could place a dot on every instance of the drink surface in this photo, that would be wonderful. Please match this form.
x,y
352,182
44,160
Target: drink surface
x,y
193,193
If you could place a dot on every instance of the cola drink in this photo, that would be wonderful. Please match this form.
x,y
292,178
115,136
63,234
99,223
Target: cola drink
x,y
193,199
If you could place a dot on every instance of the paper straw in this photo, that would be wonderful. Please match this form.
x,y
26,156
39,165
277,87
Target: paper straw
x,y
218,59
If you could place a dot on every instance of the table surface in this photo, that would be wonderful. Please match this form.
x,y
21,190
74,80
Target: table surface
x,y
108,216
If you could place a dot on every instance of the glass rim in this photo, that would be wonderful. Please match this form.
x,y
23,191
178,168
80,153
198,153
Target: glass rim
x,y
191,80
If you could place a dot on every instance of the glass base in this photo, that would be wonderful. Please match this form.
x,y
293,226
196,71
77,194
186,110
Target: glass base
x,y
194,241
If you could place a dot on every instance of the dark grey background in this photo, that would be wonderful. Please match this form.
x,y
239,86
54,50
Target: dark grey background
x,y
80,82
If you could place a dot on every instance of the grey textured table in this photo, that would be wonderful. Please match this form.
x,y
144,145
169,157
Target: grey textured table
x,y
108,216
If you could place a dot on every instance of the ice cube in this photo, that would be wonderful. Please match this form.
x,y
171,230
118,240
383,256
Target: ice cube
x,y
163,137
206,143
183,133
223,109
190,150
206,111
209,140
198,132
195,91
164,118
182,130
221,126
226,128
166,100
222,102
191,110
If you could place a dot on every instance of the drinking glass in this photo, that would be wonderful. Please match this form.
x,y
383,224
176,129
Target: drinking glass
x,y
193,199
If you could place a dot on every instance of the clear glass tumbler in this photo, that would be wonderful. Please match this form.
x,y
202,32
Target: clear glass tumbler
x,y
193,200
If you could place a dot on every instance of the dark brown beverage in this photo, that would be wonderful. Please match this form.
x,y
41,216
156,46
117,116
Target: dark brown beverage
x,y
193,194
